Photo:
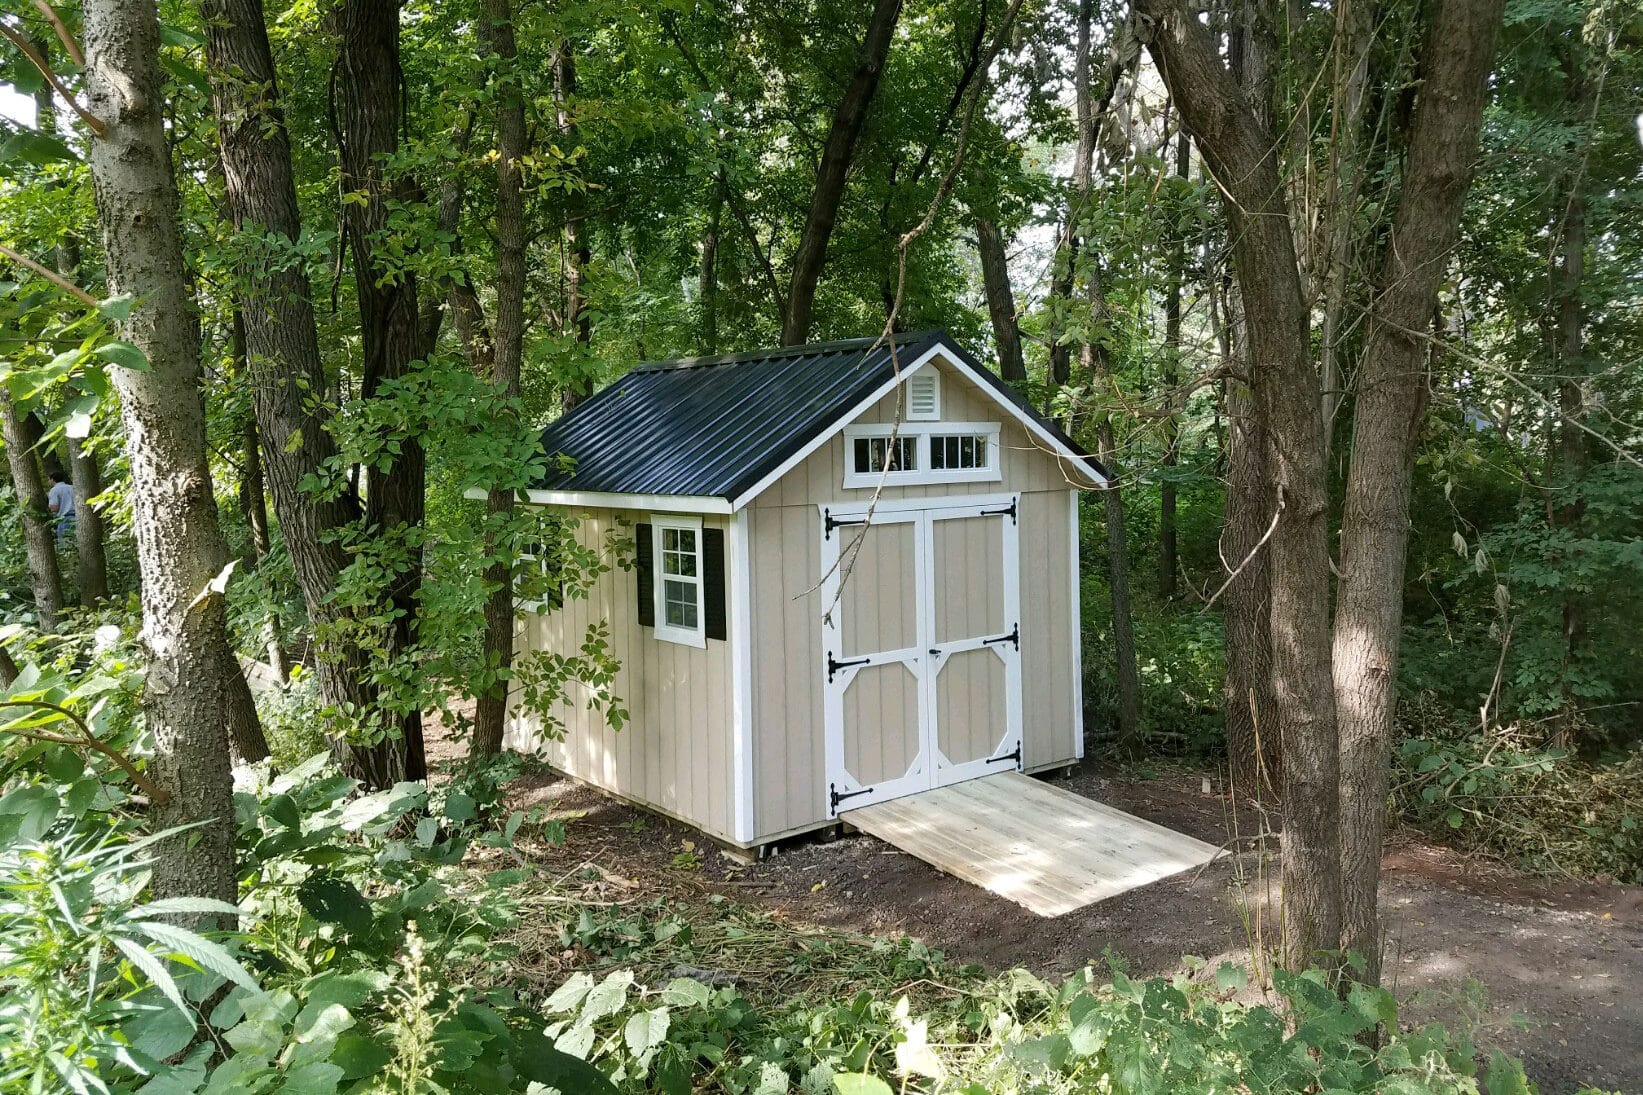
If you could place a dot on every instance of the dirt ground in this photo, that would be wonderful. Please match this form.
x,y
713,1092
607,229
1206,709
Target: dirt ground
x,y
1550,972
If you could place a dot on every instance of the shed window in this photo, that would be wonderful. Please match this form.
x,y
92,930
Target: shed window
x,y
678,582
876,454
955,451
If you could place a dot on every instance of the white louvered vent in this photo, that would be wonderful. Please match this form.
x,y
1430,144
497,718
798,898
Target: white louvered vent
x,y
924,397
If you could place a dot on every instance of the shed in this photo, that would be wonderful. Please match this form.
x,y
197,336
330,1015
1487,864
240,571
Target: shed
x,y
855,579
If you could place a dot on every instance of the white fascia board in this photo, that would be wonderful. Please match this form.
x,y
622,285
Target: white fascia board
x,y
590,499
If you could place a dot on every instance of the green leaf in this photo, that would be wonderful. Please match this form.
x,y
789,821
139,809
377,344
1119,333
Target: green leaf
x,y
645,1031
686,992
155,971
117,308
359,1056
567,996
198,949
32,147
123,354
333,900
536,1059
859,1083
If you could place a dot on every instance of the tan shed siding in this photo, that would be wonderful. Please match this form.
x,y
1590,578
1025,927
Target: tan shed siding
x,y
788,763
675,752
1049,637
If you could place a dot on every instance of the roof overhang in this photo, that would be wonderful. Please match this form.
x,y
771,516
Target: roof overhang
x,y
588,499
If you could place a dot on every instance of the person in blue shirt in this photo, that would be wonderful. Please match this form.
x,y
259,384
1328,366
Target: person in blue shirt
x,y
60,501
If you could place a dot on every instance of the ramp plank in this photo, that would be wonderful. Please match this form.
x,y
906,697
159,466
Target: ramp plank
x,y
1036,844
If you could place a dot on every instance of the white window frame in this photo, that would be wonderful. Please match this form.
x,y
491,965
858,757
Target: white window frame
x,y
923,475
672,632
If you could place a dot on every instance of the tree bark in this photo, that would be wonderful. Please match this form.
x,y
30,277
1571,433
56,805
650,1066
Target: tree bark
x,y
707,276
1457,56
89,535
1254,745
1242,153
370,96
834,169
39,531
1064,273
282,348
194,691
995,276
574,319
1168,564
254,507
491,709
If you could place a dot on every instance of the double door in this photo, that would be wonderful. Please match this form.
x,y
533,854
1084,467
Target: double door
x,y
921,646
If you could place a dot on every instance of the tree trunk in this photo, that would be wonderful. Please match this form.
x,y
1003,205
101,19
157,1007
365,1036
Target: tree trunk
x,y
1097,365
491,709
995,276
1065,272
254,507
1457,57
39,527
1254,745
575,318
89,535
282,349
194,691
834,169
1242,154
370,96
1168,564
707,277
91,565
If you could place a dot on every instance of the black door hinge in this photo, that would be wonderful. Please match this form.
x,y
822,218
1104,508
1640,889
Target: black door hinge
x,y
829,523
1014,757
836,796
1009,509
834,665
1013,638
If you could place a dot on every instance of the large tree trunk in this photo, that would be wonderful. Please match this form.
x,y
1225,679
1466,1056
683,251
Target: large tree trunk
x,y
89,535
194,691
834,169
995,276
39,530
1456,59
491,710
1254,745
1243,156
370,98
282,349
1065,272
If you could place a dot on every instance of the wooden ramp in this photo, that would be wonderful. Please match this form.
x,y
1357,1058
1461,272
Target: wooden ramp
x,y
1030,841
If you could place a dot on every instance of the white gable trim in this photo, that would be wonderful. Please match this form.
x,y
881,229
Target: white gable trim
x,y
955,361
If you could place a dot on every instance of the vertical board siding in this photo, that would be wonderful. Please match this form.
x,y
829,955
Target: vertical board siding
x,y
971,550
789,766
878,606
881,729
675,752
971,705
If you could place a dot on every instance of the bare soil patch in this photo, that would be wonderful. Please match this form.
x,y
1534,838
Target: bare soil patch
x,y
1547,971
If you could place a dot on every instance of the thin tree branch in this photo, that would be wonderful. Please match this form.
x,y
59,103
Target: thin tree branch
x,y
50,275
70,46
158,795
91,120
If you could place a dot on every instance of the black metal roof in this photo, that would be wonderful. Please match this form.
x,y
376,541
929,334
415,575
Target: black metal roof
x,y
715,426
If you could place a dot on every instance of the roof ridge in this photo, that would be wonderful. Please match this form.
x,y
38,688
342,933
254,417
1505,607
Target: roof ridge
x,y
809,349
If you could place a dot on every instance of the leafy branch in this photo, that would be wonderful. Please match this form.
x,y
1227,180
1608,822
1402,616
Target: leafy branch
x,y
158,795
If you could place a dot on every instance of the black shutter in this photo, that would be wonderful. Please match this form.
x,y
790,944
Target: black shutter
x,y
645,566
713,582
